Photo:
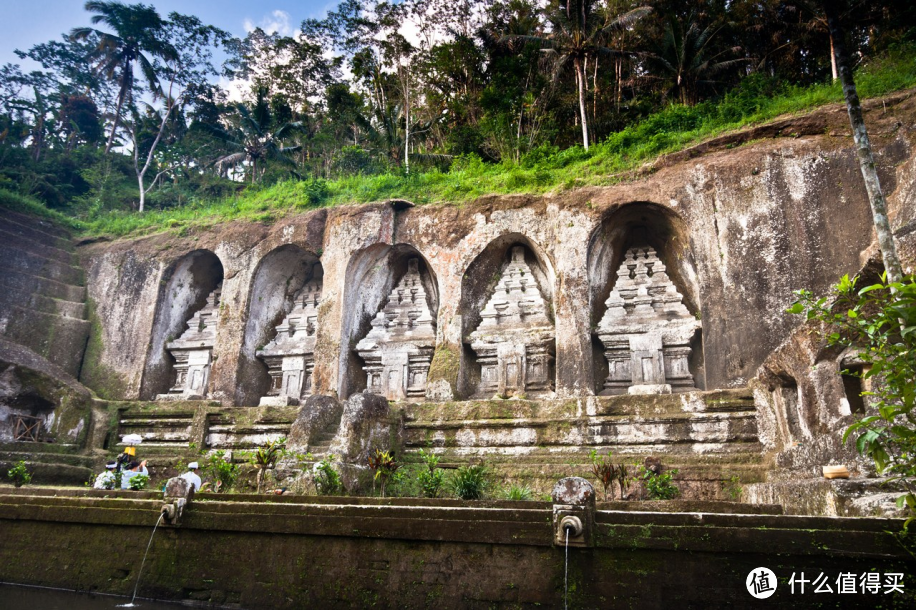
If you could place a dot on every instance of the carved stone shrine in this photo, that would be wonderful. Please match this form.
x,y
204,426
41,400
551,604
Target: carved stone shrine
x,y
290,356
515,341
646,330
193,352
399,347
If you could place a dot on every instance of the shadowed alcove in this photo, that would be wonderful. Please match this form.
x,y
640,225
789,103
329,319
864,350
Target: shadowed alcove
x,y
372,273
641,225
186,285
477,289
279,277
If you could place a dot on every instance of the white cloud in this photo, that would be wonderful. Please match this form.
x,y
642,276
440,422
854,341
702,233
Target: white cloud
x,y
276,21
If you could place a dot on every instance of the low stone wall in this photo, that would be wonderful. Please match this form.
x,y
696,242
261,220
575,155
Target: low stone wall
x,y
294,552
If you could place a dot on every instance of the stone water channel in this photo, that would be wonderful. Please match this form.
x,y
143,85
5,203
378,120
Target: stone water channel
x,y
248,551
20,596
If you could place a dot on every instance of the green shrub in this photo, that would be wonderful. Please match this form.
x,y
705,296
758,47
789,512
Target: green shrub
x,y
733,488
326,478
659,486
19,474
518,493
384,465
431,477
221,471
470,482
879,322
265,458
138,482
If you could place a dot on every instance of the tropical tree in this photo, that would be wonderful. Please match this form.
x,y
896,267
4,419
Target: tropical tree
x,y
255,140
137,39
688,58
863,146
186,70
578,33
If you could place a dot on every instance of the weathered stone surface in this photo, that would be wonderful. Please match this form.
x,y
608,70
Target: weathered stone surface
x,y
290,356
176,488
193,352
42,296
646,330
752,224
39,400
456,555
573,490
315,415
399,347
514,342
365,425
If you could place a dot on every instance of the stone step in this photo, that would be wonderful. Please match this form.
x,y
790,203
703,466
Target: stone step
x,y
715,401
695,481
671,430
320,449
735,453
37,284
36,455
35,223
36,264
41,247
11,295
46,471
61,340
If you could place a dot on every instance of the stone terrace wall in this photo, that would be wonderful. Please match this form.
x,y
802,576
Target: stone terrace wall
x,y
441,555
737,229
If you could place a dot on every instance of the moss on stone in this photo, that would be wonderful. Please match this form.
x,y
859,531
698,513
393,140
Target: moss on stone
x,y
106,382
445,365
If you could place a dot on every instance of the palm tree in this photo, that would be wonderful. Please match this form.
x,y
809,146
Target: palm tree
x,y
137,29
687,58
578,33
253,141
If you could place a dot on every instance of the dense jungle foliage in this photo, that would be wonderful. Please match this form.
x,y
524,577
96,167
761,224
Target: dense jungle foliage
x,y
174,118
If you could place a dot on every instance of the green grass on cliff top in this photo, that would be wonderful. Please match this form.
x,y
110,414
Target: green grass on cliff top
x,y
672,129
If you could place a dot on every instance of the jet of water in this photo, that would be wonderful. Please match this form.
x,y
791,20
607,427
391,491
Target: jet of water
x,y
149,544
566,574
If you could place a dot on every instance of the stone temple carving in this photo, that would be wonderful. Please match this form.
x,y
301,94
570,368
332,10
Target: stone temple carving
x,y
514,342
646,330
399,347
193,352
290,357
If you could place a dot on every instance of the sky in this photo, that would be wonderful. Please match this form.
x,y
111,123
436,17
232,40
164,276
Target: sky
x,y
28,22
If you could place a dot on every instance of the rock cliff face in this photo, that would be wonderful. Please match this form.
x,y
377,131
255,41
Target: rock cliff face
x,y
42,291
738,229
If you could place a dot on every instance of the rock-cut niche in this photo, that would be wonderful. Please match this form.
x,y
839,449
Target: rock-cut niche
x,y
509,332
184,329
646,334
390,323
278,351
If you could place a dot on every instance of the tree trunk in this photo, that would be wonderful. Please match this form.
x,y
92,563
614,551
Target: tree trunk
x,y
407,133
863,148
125,85
618,74
595,91
580,76
142,192
833,70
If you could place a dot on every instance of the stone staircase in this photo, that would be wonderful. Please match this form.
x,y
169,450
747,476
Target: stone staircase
x,y
321,446
709,437
49,463
42,290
